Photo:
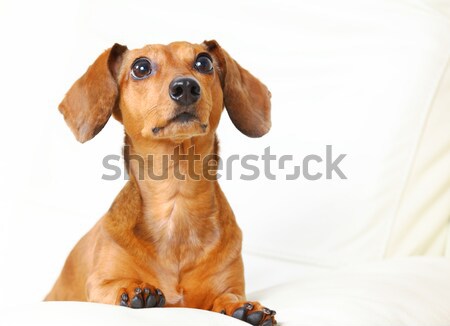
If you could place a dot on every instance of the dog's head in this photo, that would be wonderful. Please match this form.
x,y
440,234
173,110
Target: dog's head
x,y
174,91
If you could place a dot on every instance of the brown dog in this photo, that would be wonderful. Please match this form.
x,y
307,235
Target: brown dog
x,y
165,241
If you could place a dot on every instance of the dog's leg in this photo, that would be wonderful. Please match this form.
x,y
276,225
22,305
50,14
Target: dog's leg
x,y
125,292
250,311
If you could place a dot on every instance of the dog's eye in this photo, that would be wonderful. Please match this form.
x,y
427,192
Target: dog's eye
x,y
141,68
204,63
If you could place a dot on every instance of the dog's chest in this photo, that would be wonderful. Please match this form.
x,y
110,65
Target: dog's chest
x,y
182,241
174,229
180,225
183,230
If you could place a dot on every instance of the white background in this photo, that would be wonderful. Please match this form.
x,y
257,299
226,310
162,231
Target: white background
x,y
51,188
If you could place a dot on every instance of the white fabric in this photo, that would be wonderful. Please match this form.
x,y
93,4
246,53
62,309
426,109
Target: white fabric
x,y
412,291
83,313
403,292
421,223
369,78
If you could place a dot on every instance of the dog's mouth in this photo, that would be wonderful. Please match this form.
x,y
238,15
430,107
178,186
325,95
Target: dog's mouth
x,y
183,125
183,117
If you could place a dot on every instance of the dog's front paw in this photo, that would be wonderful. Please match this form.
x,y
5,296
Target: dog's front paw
x,y
141,296
251,312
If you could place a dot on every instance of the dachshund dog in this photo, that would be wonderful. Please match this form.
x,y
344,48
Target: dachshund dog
x,y
168,241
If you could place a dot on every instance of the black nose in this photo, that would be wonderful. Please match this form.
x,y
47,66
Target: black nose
x,y
184,90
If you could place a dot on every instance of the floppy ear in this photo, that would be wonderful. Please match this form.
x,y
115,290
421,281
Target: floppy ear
x,y
246,99
90,101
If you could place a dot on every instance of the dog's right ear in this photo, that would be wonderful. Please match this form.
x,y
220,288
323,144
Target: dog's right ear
x,y
90,101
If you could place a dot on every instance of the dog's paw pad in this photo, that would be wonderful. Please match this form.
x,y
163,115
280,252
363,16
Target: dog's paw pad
x,y
144,296
124,300
151,298
161,298
137,301
239,313
255,318
254,314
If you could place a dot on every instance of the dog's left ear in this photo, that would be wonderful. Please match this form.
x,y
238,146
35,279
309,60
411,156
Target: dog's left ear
x,y
246,99
91,100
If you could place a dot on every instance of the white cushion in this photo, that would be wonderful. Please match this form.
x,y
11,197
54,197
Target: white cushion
x,y
84,313
401,292
412,291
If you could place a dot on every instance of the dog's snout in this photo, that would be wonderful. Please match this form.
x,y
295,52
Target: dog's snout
x,y
184,90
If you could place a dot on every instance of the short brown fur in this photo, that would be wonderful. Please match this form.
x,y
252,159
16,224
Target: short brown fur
x,y
176,235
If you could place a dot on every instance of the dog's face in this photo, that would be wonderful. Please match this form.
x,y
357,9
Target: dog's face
x,y
174,92
171,91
